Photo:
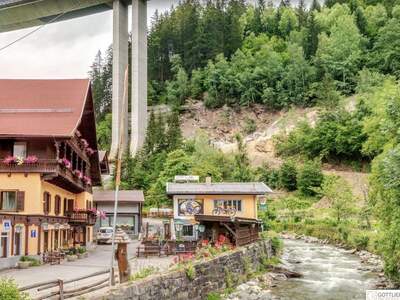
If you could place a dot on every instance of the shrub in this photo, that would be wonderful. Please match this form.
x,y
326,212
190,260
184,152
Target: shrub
x,y
229,281
33,261
214,296
287,175
344,232
190,271
248,266
309,178
143,273
361,241
267,216
270,262
269,176
72,251
250,126
81,250
277,244
9,290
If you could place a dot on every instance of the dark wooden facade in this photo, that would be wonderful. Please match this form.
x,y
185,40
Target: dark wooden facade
x,y
242,231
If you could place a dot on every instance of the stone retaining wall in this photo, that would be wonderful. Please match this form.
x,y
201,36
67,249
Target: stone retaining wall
x,y
210,276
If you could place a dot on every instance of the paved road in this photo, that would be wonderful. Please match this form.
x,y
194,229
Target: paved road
x,y
98,260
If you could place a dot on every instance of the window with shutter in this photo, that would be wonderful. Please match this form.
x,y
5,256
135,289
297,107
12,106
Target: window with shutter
x,y
65,205
8,200
57,204
46,203
70,205
20,201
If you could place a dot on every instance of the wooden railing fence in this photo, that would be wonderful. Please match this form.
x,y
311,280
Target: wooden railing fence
x,y
61,290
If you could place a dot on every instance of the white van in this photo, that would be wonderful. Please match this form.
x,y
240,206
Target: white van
x,y
104,235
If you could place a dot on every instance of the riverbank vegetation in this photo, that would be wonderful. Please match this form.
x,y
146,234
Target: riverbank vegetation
x,y
366,137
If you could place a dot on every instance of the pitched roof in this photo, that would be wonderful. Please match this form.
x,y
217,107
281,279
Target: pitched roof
x,y
124,196
227,188
41,108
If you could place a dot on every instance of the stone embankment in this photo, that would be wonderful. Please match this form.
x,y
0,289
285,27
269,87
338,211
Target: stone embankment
x,y
227,270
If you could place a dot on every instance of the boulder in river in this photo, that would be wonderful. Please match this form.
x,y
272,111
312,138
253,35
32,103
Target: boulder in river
x,y
286,272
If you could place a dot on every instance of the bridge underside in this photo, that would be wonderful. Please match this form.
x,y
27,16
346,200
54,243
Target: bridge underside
x,y
19,14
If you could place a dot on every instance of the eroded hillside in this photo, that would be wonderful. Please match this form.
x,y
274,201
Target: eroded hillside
x,y
221,125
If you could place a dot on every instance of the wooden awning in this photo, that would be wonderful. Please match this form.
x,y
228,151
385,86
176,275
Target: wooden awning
x,y
225,219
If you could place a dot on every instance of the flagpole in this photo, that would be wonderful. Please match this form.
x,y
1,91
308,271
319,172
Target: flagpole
x,y
118,174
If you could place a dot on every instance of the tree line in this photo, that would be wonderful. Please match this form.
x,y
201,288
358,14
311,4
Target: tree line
x,y
230,52
236,53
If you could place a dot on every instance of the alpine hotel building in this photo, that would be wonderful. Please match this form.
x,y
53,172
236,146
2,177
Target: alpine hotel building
x,y
48,165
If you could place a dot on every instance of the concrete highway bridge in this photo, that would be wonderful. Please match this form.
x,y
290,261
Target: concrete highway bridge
x,y
18,14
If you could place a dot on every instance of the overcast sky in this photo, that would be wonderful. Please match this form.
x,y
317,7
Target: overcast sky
x,y
62,50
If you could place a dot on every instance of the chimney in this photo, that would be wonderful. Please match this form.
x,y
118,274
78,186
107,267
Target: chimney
x,y
208,180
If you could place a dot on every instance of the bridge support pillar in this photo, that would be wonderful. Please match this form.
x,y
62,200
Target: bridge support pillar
x,y
139,75
120,63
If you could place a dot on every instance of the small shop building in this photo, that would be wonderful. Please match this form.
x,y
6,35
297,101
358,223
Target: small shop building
x,y
48,165
129,214
205,211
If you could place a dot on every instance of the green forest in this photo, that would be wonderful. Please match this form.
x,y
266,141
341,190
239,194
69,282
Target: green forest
x,y
232,53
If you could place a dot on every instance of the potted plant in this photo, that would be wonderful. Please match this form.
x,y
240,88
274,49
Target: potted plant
x,y
31,159
65,163
71,254
10,160
78,174
24,263
87,180
90,151
81,252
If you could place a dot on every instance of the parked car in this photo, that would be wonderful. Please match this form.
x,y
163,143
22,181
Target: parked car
x,y
104,235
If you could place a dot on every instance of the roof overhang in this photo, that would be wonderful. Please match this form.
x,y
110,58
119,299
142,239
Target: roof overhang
x,y
225,219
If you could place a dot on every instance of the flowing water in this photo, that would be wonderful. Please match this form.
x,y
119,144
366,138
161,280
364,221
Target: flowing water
x,y
329,273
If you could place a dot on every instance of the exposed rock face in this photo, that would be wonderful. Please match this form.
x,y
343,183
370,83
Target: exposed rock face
x,y
211,275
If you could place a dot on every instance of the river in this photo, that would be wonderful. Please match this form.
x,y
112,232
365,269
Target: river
x,y
329,273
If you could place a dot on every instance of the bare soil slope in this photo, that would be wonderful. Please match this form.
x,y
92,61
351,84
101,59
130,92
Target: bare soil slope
x,y
221,126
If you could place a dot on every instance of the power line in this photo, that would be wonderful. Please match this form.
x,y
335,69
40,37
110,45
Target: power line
x,y
33,31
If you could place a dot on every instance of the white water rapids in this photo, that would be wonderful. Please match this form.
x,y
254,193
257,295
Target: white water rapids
x,y
329,273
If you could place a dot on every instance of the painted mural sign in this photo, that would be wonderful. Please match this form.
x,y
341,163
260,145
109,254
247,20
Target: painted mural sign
x,y
190,207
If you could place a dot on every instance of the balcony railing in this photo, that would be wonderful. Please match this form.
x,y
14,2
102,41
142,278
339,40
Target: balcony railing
x,y
42,166
47,167
82,217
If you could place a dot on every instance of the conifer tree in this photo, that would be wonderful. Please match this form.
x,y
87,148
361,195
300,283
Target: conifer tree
x,y
96,78
361,21
310,43
242,171
315,5
173,133
301,14
150,140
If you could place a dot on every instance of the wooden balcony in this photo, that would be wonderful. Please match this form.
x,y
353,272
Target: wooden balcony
x,y
81,217
42,166
52,172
